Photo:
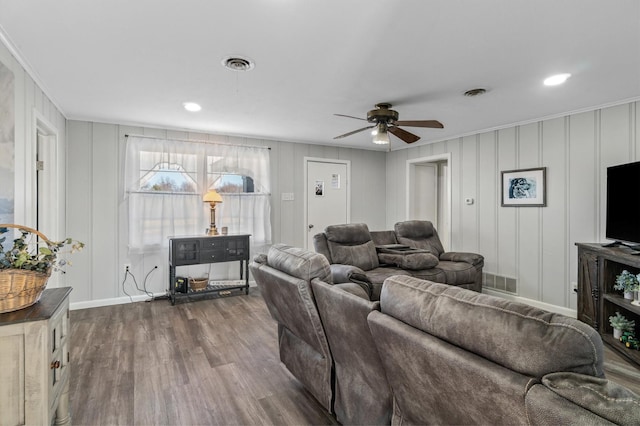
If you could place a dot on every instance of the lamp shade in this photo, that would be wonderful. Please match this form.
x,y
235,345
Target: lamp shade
x,y
212,196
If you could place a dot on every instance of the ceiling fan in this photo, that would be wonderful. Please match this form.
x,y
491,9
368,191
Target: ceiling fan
x,y
385,121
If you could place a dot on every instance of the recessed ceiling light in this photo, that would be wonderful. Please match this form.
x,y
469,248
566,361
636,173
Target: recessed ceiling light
x,y
557,79
192,106
238,63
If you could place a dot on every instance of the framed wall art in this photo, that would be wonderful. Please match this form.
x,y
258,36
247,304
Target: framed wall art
x,y
524,188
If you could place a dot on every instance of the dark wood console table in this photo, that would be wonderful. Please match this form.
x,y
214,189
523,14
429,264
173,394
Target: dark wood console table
x,y
598,267
199,250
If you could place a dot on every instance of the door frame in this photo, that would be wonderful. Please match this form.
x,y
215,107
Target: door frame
x,y
433,159
306,162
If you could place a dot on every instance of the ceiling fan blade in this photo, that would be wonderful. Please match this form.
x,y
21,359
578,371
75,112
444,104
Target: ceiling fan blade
x,y
350,116
408,137
434,124
355,131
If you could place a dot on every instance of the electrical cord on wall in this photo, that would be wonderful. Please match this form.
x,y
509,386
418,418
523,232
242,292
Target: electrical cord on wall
x,y
123,288
144,284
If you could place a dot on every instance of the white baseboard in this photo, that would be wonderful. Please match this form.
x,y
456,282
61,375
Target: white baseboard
x,y
122,300
535,303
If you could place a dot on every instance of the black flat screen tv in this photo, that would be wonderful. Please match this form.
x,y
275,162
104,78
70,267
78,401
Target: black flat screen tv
x,y
623,203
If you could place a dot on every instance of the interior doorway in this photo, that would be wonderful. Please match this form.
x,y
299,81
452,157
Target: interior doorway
x,y
429,193
327,195
46,182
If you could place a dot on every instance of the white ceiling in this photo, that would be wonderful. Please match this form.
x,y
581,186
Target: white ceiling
x,y
136,62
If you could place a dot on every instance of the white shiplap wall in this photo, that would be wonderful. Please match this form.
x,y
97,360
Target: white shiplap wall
x,y
534,245
99,213
32,103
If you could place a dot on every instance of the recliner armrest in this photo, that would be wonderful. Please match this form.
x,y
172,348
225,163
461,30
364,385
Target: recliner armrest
x,y
455,256
348,273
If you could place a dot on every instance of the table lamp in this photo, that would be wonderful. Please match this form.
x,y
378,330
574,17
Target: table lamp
x,y
212,197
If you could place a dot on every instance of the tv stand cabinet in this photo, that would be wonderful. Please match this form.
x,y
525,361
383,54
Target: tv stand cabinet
x,y
598,266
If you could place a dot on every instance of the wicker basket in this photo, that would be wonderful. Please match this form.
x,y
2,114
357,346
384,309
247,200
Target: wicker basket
x,y
197,284
20,288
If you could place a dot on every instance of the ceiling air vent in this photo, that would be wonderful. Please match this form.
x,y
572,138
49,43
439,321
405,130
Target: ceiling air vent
x,y
475,92
238,63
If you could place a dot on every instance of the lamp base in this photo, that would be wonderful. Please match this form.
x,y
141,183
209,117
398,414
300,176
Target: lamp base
x,y
212,231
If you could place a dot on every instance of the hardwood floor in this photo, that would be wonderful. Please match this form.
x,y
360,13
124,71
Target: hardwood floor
x,y
208,362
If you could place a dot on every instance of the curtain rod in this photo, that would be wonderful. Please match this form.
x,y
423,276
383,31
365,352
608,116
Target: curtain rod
x,y
198,141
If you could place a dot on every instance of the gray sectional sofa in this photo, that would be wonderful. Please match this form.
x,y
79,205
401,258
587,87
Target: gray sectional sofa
x,y
430,353
413,248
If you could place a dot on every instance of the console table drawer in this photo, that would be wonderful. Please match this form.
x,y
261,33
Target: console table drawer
x,y
213,256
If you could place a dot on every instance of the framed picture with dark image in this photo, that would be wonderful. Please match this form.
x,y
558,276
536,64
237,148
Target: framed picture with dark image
x,y
524,188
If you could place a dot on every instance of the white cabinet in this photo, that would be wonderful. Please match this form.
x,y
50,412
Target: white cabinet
x,y
34,355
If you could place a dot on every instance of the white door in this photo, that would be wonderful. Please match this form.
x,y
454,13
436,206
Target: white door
x,y
327,196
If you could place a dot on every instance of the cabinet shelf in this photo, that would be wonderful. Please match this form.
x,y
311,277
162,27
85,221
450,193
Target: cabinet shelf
x,y
598,267
619,347
621,302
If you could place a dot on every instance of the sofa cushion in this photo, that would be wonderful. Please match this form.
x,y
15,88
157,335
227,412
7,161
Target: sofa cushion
x,y
299,263
419,234
351,244
545,342
600,396
408,260
457,273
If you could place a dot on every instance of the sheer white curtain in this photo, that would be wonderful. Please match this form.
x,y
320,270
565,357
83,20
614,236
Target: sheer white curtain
x,y
158,210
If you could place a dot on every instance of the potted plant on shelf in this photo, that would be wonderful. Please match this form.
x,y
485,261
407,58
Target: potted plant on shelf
x,y
628,283
620,324
25,266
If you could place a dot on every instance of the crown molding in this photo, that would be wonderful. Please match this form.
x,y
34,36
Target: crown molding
x,y
15,52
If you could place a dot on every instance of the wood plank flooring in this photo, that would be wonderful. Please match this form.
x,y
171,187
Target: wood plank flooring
x,y
207,362
202,363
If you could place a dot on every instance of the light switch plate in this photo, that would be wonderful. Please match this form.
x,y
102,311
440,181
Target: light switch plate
x,y
287,196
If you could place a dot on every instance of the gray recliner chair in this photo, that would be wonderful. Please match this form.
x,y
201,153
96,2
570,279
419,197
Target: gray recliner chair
x,y
284,277
353,257
460,269
362,395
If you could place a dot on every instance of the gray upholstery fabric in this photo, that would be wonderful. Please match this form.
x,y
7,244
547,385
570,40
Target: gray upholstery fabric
x,y
351,244
299,263
419,234
408,260
362,394
304,349
539,346
459,268
435,382
381,238
545,407
600,396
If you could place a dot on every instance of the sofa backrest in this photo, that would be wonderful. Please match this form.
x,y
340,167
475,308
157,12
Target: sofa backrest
x,y
362,394
454,356
519,337
284,278
419,234
351,244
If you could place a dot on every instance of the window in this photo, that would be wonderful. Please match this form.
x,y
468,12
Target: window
x,y
167,177
165,181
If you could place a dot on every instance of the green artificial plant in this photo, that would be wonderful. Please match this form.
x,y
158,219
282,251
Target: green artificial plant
x,y
621,323
30,255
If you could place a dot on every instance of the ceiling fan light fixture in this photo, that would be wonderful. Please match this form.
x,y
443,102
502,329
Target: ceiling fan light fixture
x,y
381,136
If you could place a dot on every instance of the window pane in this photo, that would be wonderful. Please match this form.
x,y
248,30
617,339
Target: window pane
x,y
226,183
167,177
